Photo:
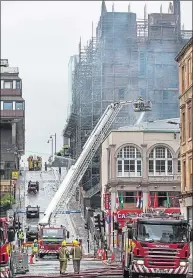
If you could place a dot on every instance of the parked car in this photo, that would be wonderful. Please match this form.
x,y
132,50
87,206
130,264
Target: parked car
x,y
32,232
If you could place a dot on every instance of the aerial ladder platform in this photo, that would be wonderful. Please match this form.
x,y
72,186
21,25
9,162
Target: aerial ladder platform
x,y
76,172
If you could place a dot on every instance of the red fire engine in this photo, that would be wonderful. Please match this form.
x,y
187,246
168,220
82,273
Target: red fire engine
x,y
50,239
156,246
5,238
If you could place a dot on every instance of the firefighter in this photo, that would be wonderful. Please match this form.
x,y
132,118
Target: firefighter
x,y
76,253
20,237
35,247
63,257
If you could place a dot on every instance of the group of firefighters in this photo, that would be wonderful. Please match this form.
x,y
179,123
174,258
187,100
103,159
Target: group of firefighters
x,y
64,255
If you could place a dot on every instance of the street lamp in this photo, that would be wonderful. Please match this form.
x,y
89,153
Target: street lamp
x,y
51,140
51,137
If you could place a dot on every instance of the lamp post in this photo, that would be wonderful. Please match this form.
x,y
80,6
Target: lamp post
x,y
51,140
51,137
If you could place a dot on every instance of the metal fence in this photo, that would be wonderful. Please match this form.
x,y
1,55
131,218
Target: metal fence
x,y
19,262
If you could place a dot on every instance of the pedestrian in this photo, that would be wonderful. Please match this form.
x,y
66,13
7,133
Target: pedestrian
x,y
35,248
20,237
76,253
64,257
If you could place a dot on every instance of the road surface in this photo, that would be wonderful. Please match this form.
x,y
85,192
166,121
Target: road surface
x,y
49,183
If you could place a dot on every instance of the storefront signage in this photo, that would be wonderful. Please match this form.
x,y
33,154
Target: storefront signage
x,y
107,201
124,214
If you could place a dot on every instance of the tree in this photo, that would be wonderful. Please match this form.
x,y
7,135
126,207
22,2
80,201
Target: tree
x,y
7,199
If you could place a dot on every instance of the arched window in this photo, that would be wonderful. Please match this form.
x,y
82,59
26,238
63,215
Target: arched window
x,y
129,162
179,163
160,161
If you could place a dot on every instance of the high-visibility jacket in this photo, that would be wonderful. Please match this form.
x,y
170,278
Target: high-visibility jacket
x,y
35,247
63,254
21,235
76,253
131,245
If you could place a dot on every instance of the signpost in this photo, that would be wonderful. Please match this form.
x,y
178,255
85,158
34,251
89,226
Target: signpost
x,y
14,175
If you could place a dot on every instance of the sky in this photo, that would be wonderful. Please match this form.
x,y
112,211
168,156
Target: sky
x,y
39,37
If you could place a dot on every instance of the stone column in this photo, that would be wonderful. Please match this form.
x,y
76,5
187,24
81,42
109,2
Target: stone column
x,y
145,199
144,162
112,161
13,133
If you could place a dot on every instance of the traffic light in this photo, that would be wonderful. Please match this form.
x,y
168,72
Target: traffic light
x,y
86,226
97,221
116,226
103,223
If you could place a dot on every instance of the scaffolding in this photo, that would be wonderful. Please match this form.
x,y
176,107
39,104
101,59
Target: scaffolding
x,y
127,58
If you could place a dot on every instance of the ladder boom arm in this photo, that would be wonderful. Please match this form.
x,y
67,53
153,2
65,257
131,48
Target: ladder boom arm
x,y
76,172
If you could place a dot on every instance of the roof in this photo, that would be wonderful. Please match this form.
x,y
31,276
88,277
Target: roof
x,y
184,49
170,125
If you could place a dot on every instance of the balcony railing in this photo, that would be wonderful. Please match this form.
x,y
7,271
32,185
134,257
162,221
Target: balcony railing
x,y
12,113
11,92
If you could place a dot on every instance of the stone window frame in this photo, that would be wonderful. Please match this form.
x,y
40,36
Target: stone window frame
x,y
125,153
168,156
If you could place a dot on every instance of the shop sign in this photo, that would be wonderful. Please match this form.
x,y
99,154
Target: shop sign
x,y
107,201
14,175
124,214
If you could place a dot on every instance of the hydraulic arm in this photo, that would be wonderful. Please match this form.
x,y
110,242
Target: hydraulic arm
x,y
76,172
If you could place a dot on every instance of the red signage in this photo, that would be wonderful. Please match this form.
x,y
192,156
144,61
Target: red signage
x,y
107,201
123,214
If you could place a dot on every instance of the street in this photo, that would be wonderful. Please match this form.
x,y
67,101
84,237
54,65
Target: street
x,y
48,185
49,266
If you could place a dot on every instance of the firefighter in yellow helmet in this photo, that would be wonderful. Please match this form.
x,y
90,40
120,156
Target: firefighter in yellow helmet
x,y
63,257
35,249
76,253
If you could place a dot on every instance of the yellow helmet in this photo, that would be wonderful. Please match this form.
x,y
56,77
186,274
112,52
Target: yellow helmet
x,y
76,242
64,243
35,240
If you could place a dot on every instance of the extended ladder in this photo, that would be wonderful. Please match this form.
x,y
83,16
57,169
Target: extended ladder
x,y
76,172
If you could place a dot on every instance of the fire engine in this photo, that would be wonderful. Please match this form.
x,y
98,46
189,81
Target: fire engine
x,y
34,163
6,236
50,239
155,246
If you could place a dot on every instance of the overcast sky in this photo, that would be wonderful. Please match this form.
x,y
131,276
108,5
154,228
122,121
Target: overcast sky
x,y
39,37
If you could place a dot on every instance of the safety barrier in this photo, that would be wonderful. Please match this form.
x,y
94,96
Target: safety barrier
x,y
19,262
101,254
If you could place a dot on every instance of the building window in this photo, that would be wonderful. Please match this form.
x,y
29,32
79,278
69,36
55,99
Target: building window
x,y
18,84
183,78
164,199
183,125
179,163
160,161
7,105
19,106
189,72
189,121
8,85
129,162
184,176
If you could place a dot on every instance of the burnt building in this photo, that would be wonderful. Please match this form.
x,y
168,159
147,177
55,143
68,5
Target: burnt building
x,y
127,58
12,121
